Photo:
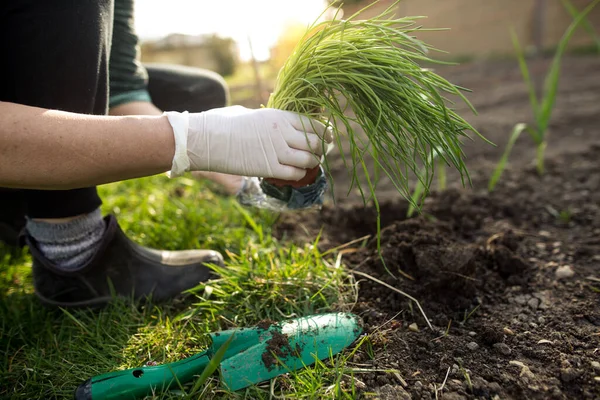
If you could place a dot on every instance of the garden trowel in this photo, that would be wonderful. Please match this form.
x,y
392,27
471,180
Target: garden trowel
x,y
247,356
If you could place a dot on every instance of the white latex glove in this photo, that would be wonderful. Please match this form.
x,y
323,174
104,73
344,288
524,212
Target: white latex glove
x,y
265,143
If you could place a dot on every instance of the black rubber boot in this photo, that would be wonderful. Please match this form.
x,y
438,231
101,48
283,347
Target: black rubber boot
x,y
123,268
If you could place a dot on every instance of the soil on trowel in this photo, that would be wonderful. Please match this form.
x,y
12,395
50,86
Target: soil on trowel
x,y
278,348
509,280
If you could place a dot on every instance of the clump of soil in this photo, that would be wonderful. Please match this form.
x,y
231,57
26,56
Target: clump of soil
x,y
510,280
278,348
437,266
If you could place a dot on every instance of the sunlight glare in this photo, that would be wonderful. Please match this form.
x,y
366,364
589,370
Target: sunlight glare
x,y
261,20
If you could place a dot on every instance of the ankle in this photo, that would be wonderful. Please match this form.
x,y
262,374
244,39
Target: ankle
x,y
69,243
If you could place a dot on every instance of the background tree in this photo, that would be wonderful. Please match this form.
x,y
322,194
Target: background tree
x,y
224,52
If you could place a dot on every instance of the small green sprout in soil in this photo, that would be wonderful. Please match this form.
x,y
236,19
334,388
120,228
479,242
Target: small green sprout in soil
x,y
542,107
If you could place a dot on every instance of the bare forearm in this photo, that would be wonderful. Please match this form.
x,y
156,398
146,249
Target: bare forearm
x,y
46,149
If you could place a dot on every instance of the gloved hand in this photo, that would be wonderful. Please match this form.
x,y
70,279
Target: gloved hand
x,y
265,143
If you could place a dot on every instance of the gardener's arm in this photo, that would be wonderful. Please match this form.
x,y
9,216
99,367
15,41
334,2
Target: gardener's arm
x,y
48,149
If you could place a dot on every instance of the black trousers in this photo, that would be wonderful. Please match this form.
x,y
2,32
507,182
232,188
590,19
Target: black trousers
x,y
55,55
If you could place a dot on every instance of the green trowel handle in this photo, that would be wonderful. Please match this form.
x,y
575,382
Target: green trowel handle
x,y
139,382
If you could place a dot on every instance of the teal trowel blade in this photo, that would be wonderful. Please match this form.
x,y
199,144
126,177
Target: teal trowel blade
x,y
290,346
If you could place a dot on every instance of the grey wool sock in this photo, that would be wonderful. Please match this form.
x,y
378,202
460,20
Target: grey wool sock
x,y
70,244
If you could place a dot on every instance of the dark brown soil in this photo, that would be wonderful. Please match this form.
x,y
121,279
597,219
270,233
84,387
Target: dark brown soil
x,y
278,348
510,280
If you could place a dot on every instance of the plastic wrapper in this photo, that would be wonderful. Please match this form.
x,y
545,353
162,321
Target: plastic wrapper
x,y
257,192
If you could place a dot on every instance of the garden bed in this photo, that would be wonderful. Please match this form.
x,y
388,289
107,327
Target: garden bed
x,y
510,280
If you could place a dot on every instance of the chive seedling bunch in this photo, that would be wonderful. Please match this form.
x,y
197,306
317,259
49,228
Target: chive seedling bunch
x,y
367,75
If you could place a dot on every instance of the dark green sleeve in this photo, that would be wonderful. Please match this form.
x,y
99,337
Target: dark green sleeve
x,y
128,78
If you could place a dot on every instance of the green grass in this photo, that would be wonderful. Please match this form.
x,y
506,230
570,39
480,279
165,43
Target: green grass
x,y
46,353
